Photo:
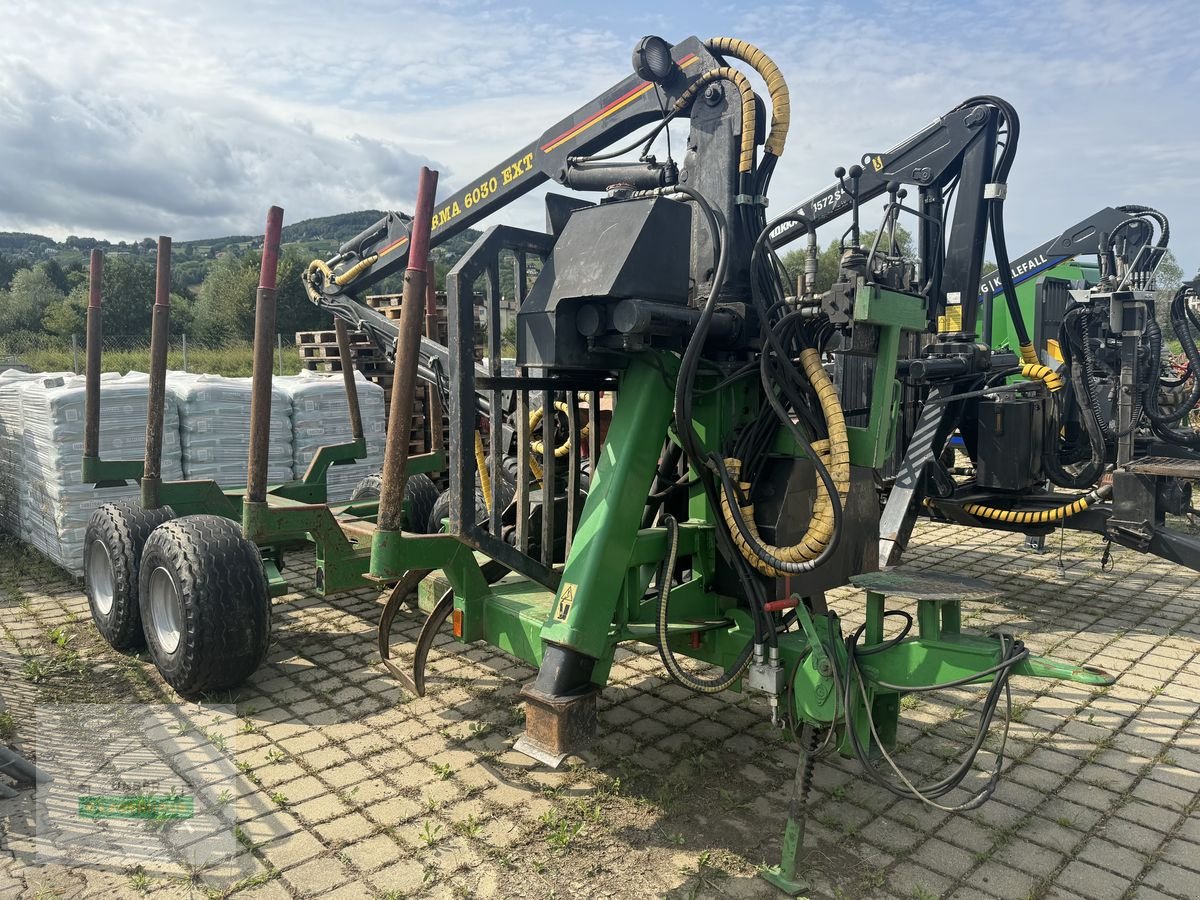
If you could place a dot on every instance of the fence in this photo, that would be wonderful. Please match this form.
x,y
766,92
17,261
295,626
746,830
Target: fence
x,y
125,353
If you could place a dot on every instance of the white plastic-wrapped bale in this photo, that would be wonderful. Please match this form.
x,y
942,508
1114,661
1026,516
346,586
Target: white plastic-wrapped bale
x,y
11,455
55,504
214,423
321,416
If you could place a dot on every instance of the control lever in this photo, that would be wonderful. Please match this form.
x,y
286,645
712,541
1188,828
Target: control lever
x,y
855,172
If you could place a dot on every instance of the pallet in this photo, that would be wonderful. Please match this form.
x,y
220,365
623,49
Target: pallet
x,y
330,351
369,367
319,353
329,337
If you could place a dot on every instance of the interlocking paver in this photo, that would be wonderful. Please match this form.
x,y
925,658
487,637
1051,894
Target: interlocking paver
x,y
424,797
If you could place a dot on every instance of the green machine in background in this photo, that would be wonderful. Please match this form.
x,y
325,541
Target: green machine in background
x,y
1071,257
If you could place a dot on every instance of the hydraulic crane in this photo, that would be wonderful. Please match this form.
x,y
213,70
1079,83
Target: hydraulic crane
x,y
767,442
732,489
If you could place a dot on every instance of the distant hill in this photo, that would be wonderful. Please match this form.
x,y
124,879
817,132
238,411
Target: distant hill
x,y
191,260
321,233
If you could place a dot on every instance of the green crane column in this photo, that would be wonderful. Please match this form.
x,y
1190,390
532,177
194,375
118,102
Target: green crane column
x,y
586,603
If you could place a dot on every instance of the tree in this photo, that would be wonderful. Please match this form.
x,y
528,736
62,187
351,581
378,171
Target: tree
x,y
8,268
127,295
26,301
1168,279
224,311
829,259
69,315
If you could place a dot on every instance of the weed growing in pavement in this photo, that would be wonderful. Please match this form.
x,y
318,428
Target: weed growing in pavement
x,y
139,880
430,833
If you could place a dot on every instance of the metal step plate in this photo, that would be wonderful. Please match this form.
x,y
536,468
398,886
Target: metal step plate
x,y
1165,465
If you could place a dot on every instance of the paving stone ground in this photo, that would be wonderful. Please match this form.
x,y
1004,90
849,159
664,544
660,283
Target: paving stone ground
x,y
348,788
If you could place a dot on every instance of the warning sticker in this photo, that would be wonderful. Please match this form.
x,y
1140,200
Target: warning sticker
x,y
565,600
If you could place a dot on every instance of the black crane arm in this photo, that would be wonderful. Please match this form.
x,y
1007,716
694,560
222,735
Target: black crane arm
x,y
931,157
630,104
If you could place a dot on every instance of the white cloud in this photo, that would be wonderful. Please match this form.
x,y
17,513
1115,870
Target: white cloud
x,y
131,117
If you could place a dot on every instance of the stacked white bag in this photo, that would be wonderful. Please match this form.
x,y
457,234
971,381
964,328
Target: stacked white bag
x,y
214,419
55,504
11,475
321,416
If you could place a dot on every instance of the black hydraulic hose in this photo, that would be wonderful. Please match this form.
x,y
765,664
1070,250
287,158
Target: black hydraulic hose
x,y
1083,391
1163,224
996,216
665,576
1061,474
1010,656
1179,322
683,416
1087,353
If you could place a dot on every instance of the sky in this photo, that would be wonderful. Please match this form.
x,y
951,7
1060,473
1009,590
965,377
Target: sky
x,y
131,118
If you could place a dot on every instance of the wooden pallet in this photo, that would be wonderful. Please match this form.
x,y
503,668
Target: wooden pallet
x,y
364,352
319,353
329,337
368,367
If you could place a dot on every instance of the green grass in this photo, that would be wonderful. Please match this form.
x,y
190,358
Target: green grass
x,y
234,360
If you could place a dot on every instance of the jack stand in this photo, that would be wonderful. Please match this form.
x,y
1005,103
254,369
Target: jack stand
x,y
1035,542
783,876
557,726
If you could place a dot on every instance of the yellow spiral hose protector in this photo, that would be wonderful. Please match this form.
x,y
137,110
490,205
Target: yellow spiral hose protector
x,y
781,104
746,159
564,448
485,477
1045,374
833,453
1033,517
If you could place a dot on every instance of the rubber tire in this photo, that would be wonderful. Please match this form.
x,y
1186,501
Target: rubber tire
x,y
441,509
419,490
123,527
226,603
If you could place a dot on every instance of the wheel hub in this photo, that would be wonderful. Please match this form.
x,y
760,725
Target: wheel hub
x,y
166,610
100,578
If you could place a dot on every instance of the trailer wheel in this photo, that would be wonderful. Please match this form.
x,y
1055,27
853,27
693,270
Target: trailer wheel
x,y
112,553
441,509
419,490
206,605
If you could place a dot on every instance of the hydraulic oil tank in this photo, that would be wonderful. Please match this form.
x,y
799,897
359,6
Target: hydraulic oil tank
x,y
1010,436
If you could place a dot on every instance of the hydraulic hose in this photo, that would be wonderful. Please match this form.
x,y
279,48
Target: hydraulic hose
x,y
1045,374
535,419
485,476
689,439
742,83
1180,324
818,538
1084,394
996,217
1011,653
1035,517
665,575
777,89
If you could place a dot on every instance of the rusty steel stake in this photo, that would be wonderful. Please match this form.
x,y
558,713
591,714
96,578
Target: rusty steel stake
x,y
264,353
432,392
408,342
343,344
95,336
157,399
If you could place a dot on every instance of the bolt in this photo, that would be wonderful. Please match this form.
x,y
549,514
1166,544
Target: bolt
x,y
712,95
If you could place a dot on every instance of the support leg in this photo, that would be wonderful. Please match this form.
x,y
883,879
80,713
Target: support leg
x,y
577,634
783,876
